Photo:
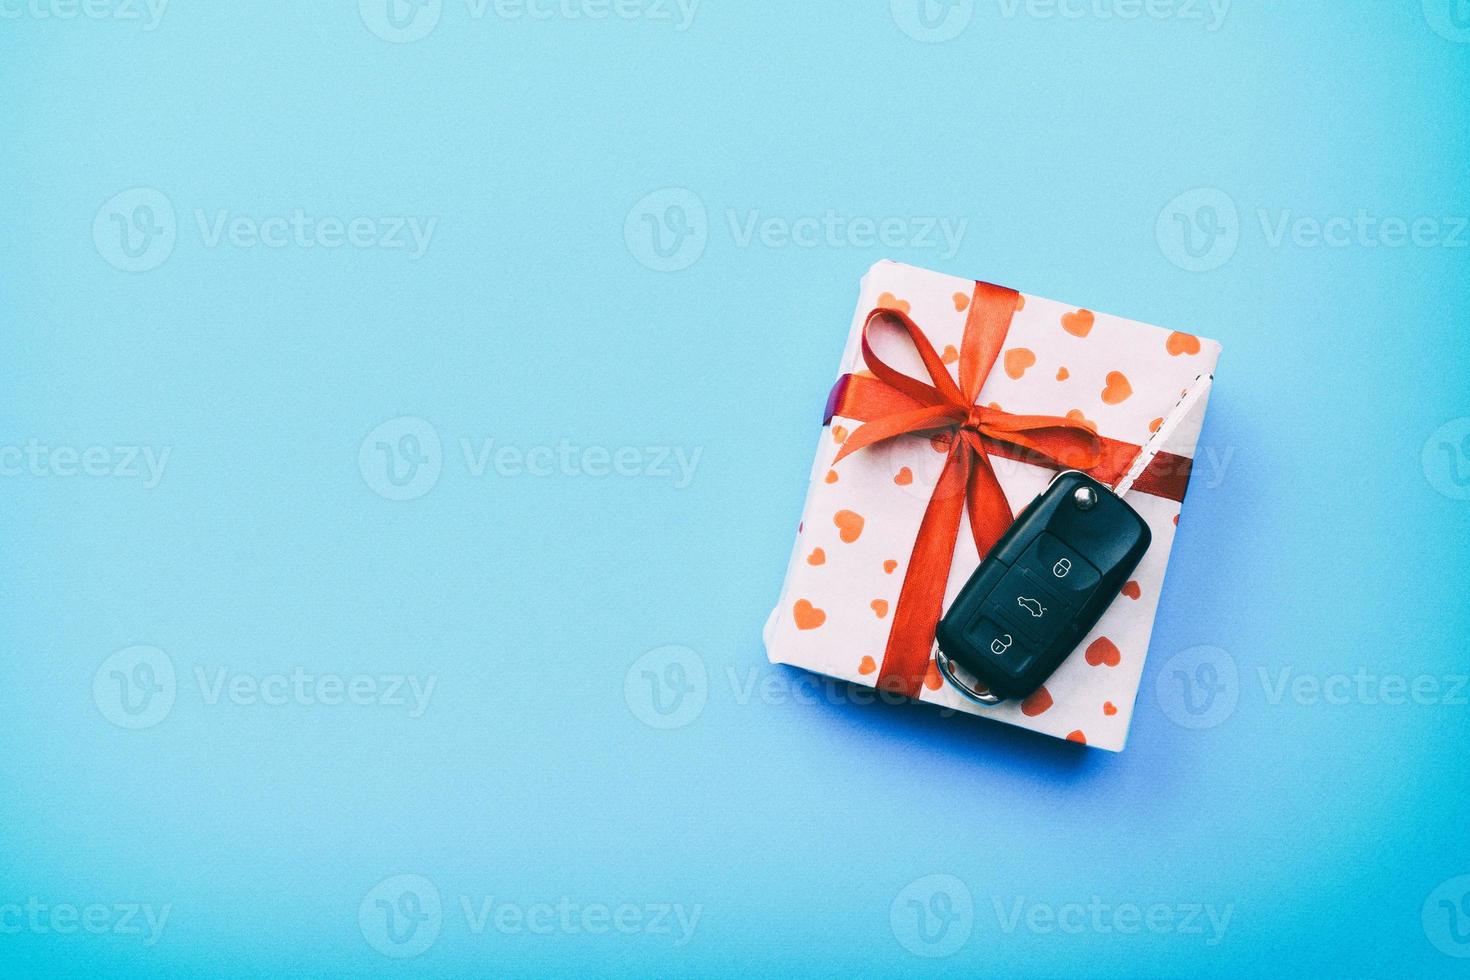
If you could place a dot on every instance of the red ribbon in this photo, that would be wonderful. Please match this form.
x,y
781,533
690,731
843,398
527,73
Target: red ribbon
x,y
891,404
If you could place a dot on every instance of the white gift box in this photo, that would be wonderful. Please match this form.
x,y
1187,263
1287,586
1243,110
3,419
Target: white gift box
x,y
861,517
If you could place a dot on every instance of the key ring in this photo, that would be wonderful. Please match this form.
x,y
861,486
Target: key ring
x,y
947,669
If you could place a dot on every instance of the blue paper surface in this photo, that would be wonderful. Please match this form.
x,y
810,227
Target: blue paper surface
x,y
407,380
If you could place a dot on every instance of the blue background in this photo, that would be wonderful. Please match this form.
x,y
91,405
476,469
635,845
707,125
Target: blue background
x,y
1328,546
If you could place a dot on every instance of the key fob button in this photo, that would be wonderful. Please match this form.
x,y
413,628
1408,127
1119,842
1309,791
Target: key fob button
x,y
1024,602
1002,646
1069,574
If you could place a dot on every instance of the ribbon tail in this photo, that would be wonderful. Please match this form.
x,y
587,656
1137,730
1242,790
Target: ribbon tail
x,y
921,601
990,512
891,426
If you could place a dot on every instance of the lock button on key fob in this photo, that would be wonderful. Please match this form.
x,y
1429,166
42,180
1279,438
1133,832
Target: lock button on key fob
x,y
1044,585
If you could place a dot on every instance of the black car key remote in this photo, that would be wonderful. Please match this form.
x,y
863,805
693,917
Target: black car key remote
x,y
1044,585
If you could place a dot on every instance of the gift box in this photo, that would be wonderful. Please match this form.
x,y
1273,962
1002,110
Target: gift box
x,y
956,404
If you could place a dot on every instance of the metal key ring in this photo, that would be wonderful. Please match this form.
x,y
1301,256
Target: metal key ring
x,y
947,669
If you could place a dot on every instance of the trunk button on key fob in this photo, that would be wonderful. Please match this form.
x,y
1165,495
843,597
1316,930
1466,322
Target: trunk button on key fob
x,y
1023,601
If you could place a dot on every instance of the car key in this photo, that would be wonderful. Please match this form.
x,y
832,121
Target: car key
x,y
1043,586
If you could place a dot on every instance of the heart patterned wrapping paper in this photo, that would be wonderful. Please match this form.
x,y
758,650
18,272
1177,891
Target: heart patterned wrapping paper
x,y
862,516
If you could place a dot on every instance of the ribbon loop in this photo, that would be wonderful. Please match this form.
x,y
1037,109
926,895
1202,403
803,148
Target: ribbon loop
x,y
944,388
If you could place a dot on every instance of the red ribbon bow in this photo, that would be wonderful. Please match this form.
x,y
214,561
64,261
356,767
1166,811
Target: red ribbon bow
x,y
891,404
